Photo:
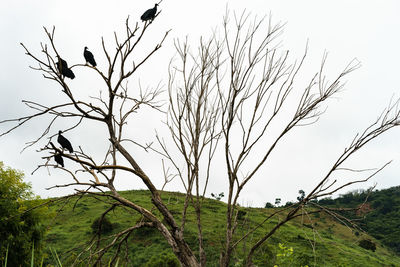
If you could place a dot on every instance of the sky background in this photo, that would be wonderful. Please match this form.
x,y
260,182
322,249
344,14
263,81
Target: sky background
x,y
365,30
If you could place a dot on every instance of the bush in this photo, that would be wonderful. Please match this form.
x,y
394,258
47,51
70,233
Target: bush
x,y
165,259
367,244
241,215
145,232
105,227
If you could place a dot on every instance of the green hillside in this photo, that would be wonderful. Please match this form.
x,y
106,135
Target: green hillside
x,y
316,240
380,216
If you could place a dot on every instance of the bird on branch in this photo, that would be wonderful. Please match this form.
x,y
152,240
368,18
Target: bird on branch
x,y
89,57
59,159
63,68
64,142
149,14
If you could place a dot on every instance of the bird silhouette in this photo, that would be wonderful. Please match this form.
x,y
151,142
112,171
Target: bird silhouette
x,y
149,14
63,68
89,57
64,142
59,159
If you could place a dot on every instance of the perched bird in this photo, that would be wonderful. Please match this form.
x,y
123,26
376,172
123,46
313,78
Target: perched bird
x,y
89,57
63,68
64,142
149,14
58,158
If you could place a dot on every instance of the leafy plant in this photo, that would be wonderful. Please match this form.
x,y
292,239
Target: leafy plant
x,y
55,257
5,260
285,256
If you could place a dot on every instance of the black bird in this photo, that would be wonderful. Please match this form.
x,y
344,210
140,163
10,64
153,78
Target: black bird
x,y
149,14
59,159
64,142
89,57
63,68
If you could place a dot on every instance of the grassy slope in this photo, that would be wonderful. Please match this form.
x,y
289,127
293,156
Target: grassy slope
x,y
331,244
383,217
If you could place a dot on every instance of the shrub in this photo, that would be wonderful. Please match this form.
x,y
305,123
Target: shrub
x,y
241,215
105,227
367,244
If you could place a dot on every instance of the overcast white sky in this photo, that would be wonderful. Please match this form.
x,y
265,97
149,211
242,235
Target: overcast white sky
x,y
366,30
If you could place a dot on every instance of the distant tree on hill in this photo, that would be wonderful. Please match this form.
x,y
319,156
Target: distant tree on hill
x,y
218,196
288,204
269,205
302,194
231,102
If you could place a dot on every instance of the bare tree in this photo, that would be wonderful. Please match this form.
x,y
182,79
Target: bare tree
x,y
240,91
235,99
113,111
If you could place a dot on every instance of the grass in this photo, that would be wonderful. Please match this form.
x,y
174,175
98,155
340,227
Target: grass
x,y
327,244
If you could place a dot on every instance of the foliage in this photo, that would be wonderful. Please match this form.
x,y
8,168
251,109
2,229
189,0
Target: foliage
x,y
241,215
268,205
288,204
285,256
56,259
367,244
20,227
103,224
301,195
